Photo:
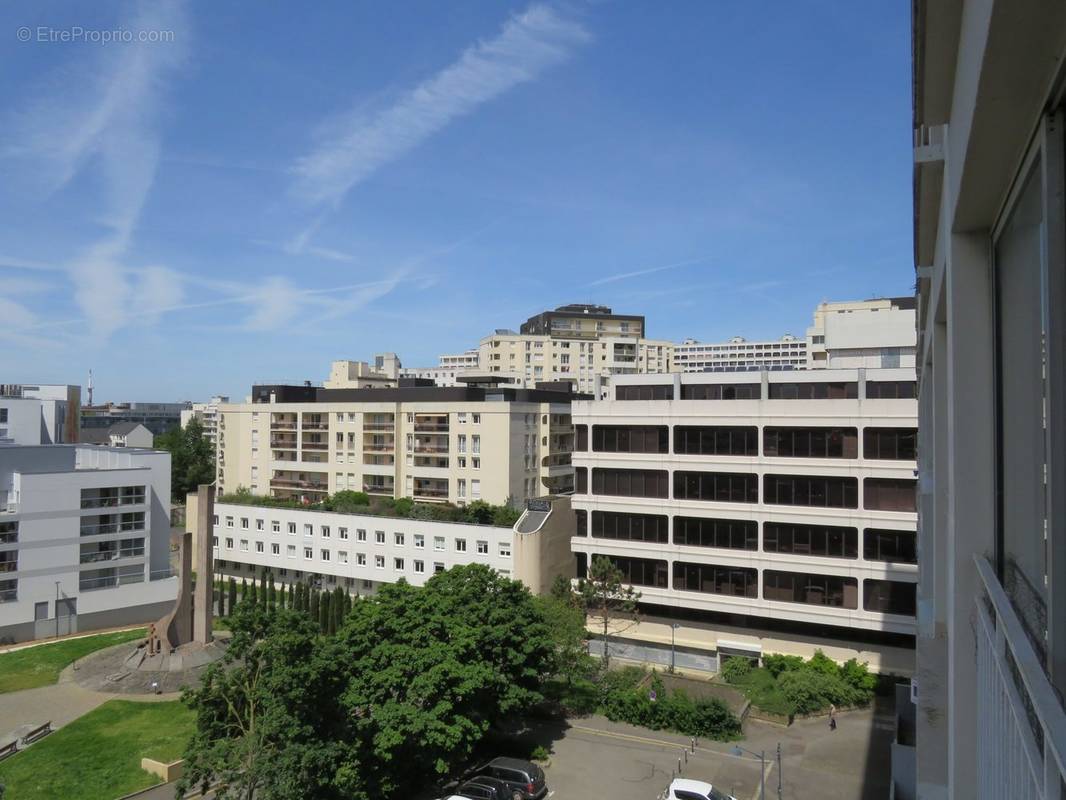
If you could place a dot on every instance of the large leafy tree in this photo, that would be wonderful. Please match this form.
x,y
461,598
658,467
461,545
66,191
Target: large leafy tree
x,y
563,610
609,599
192,458
398,698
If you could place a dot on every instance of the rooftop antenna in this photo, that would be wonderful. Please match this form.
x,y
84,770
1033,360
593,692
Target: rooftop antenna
x,y
90,387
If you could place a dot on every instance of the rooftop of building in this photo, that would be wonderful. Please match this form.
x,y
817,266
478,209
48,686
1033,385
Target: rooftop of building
x,y
415,391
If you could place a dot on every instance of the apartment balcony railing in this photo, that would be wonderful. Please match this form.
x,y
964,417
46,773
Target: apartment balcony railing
x,y
9,538
92,584
112,527
110,555
9,595
375,488
315,426
556,460
284,483
283,444
1021,730
379,426
283,426
162,574
431,427
430,448
379,448
9,566
434,493
112,502
315,446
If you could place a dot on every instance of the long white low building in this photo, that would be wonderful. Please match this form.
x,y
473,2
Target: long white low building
x,y
362,552
84,539
774,510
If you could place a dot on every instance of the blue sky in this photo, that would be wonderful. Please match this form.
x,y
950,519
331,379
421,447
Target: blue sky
x,y
280,185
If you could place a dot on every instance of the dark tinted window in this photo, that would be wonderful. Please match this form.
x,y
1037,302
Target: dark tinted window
x,y
887,545
811,589
813,391
631,527
891,390
656,392
807,490
890,443
889,494
734,534
582,527
720,391
716,441
630,482
630,439
716,579
889,597
722,487
581,480
810,540
641,571
811,442
581,438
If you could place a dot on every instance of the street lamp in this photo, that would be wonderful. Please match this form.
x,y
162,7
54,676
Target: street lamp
x,y
740,751
673,629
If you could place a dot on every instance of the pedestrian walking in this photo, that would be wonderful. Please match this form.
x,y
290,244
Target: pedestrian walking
x,y
832,717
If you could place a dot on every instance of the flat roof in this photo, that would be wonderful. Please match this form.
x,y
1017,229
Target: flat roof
x,y
412,394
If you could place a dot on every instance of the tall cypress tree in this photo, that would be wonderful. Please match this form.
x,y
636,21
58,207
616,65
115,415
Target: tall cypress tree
x,y
272,593
313,607
292,596
244,590
253,592
232,594
324,615
281,597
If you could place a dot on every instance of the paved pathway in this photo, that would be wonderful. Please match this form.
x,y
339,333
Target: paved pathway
x,y
60,704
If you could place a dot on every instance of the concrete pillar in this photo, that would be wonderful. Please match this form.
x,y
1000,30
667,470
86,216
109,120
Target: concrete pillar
x,y
205,576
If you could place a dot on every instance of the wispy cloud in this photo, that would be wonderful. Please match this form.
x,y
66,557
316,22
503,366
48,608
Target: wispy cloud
x,y
353,145
103,116
621,276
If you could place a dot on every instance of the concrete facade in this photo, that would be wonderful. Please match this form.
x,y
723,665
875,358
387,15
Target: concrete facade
x,y
206,414
779,506
361,552
429,443
990,255
738,353
40,414
870,334
89,525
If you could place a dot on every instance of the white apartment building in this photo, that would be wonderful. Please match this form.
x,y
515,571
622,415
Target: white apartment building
x,y
84,539
739,354
206,414
770,511
433,444
39,414
450,367
363,552
990,253
872,334
384,373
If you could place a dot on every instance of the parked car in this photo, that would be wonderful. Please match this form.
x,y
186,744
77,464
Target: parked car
x,y
685,789
525,780
483,787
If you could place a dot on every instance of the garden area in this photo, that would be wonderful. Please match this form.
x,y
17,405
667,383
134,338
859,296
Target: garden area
x,y
99,755
348,502
788,685
40,665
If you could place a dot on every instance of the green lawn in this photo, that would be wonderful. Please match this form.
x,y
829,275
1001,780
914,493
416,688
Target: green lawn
x,y
762,689
40,665
98,757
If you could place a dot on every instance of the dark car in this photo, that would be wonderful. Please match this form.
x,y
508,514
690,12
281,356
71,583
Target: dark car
x,y
525,781
484,787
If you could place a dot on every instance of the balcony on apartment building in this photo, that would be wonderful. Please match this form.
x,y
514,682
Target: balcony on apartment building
x,y
283,440
379,484
314,422
434,462
9,561
430,489
282,422
112,497
284,455
379,443
111,551
379,422
319,443
297,483
111,523
557,460
91,580
431,423
434,444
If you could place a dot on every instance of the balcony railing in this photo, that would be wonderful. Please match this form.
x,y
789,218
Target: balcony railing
x,y
283,426
375,488
431,427
379,426
9,538
112,527
430,448
308,485
315,446
9,566
1021,730
425,492
112,502
379,448
111,555
9,595
91,584
315,426
283,444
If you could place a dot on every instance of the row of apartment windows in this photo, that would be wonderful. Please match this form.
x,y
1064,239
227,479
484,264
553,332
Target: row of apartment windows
x,y
829,541
880,390
733,440
834,591
325,554
879,494
399,538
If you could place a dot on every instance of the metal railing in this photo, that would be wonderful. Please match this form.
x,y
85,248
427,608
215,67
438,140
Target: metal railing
x,y
9,595
112,502
283,426
379,426
373,488
9,566
9,538
431,492
162,574
110,555
113,527
1021,730
379,448
313,487
92,584
315,445
315,426
431,427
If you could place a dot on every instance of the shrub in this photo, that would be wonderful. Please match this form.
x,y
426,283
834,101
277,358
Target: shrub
x,y
708,717
822,663
776,664
809,690
539,753
859,676
735,669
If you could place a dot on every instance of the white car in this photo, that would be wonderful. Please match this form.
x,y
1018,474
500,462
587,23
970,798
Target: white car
x,y
685,789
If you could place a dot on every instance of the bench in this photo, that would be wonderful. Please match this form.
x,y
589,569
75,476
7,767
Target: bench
x,y
37,733
9,749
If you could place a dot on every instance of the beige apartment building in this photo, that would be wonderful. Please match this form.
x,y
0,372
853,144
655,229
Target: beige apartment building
x,y
433,444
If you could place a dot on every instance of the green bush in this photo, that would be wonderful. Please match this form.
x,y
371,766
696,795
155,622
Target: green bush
x,y
822,663
859,676
676,711
809,691
776,664
735,669
539,753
